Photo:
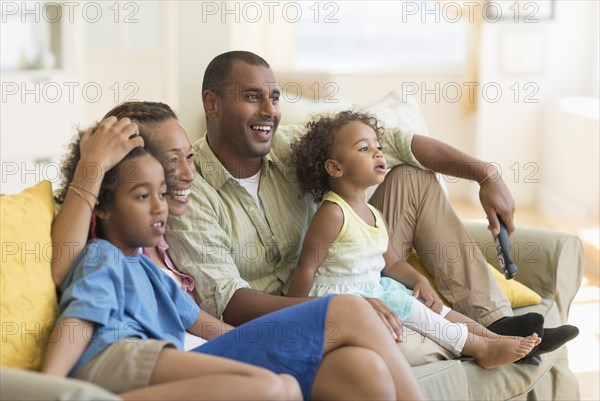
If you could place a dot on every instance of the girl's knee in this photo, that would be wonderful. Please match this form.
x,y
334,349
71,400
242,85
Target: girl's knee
x,y
376,366
282,387
347,301
351,307
373,377
292,388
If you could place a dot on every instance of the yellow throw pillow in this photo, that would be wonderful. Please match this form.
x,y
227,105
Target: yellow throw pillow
x,y
28,306
518,294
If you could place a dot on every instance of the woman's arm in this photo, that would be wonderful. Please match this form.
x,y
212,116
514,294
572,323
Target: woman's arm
x,y
324,227
68,341
100,151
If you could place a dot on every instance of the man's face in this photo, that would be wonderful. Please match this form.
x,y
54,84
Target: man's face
x,y
248,112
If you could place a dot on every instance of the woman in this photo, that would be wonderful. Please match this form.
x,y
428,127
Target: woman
x,y
365,364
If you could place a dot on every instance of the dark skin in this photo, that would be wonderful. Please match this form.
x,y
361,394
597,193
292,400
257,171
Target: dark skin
x,y
493,192
251,100
246,103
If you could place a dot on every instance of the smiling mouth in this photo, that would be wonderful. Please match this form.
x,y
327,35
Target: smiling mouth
x,y
181,194
266,128
263,132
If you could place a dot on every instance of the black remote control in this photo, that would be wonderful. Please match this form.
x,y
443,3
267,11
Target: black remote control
x,y
503,247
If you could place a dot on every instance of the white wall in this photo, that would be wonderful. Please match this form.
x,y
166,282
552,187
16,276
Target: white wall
x,y
131,56
40,105
569,141
509,132
111,52
570,183
546,60
204,31
531,63
197,43
444,116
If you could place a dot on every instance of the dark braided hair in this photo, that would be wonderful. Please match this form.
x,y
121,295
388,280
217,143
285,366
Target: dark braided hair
x,y
315,147
145,114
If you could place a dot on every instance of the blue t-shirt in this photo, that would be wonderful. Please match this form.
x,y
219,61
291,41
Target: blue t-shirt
x,y
125,296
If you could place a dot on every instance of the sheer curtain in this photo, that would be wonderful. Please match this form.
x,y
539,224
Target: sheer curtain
x,y
471,13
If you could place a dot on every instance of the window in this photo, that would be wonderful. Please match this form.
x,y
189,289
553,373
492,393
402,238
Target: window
x,y
379,36
30,35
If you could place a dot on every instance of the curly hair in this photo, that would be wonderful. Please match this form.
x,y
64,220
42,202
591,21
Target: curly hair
x,y
145,114
114,177
315,147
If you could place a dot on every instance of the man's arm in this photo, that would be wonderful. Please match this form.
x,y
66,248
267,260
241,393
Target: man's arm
x,y
201,247
247,304
493,193
72,337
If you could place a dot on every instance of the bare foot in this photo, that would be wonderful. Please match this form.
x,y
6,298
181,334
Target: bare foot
x,y
491,353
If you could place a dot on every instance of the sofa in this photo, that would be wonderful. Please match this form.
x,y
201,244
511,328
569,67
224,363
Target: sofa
x,y
551,264
550,267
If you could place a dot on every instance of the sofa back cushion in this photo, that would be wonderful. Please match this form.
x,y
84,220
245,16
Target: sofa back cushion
x,y
28,306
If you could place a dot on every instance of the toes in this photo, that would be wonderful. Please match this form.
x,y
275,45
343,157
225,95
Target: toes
x,y
534,339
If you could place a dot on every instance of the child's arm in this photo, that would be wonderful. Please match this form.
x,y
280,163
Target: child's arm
x,y
208,327
68,341
324,228
404,273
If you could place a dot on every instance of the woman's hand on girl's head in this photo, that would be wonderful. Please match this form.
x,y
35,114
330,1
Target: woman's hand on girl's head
x,y
111,141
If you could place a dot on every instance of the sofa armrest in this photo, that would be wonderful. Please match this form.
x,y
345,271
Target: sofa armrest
x,y
17,385
550,262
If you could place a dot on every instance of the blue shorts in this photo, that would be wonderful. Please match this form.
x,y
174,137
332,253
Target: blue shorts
x,y
289,340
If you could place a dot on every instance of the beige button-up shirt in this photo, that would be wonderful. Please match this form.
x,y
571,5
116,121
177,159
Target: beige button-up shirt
x,y
226,243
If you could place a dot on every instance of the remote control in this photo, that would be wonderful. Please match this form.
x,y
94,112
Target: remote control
x,y
503,247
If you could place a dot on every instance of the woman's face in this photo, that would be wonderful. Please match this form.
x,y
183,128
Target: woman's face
x,y
171,141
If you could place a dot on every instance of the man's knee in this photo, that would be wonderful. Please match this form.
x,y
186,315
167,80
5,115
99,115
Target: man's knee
x,y
406,173
419,350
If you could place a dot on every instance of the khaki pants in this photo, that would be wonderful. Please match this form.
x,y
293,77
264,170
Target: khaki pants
x,y
125,365
419,215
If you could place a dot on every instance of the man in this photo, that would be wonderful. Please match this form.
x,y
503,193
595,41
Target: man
x,y
241,235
